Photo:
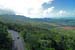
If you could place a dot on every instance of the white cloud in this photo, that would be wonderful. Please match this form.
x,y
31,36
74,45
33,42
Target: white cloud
x,y
25,7
48,12
32,8
62,13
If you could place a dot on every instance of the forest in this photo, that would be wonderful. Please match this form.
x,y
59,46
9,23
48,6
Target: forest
x,y
5,40
44,39
45,36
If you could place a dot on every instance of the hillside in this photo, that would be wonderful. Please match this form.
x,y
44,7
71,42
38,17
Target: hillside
x,y
18,19
42,33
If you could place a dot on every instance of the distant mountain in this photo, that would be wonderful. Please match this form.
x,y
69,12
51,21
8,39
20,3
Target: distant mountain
x,y
13,18
6,12
22,19
19,19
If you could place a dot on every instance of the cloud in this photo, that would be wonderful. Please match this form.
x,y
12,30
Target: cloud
x,y
48,12
33,8
25,7
6,11
51,13
65,13
62,13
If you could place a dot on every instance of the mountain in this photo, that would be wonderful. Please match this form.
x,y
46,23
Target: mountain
x,y
18,19
42,22
13,18
6,12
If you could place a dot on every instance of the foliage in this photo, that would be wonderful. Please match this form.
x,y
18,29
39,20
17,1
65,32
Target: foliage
x,y
5,41
40,34
43,39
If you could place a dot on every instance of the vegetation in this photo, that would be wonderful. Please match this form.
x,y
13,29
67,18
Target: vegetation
x,y
39,34
42,39
5,41
37,38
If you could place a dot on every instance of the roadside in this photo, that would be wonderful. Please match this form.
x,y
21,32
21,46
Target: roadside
x,y
18,43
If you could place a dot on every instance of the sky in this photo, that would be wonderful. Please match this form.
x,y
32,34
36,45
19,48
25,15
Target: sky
x,y
40,8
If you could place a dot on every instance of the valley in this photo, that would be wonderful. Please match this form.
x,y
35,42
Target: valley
x,y
40,34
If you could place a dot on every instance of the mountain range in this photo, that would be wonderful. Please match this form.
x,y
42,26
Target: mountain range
x,y
19,19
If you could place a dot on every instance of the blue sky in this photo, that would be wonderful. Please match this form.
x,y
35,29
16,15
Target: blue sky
x,y
59,4
64,4
40,8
